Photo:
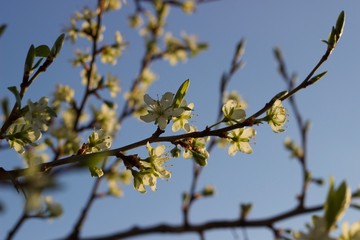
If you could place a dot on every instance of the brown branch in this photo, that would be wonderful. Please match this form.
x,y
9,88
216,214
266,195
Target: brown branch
x,y
211,225
84,213
17,226
303,130
89,71
187,203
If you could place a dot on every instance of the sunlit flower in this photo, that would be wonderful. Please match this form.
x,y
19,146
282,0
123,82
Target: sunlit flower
x,y
98,141
20,134
181,122
156,160
232,112
239,140
161,111
152,168
276,116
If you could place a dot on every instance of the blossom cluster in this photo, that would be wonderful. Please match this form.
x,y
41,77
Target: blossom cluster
x,y
27,130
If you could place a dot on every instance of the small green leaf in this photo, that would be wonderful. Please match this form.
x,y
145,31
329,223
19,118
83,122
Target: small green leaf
x,y
16,93
245,210
240,49
181,92
316,78
199,158
51,111
42,51
208,191
2,29
96,172
110,104
37,63
338,200
57,46
5,106
29,60
279,95
340,23
336,32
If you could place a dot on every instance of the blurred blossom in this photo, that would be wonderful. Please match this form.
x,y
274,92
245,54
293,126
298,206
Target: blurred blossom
x,y
112,83
39,114
106,118
188,6
234,95
94,78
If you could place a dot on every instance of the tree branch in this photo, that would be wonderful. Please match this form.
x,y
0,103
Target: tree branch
x,y
211,225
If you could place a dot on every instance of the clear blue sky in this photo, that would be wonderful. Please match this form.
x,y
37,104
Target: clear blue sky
x,y
267,178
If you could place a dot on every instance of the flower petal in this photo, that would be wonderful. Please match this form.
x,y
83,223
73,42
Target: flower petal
x,y
162,121
148,100
245,147
238,114
248,133
151,116
232,150
167,100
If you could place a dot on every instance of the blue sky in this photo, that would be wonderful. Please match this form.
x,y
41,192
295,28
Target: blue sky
x,y
267,178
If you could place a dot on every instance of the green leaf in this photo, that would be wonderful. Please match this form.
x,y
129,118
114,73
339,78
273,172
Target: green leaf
x,y
279,95
340,23
37,63
57,46
5,106
245,210
199,158
96,172
316,78
110,104
2,29
338,200
181,92
240,48
16,93
42,51
29,60
51,111
336,31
